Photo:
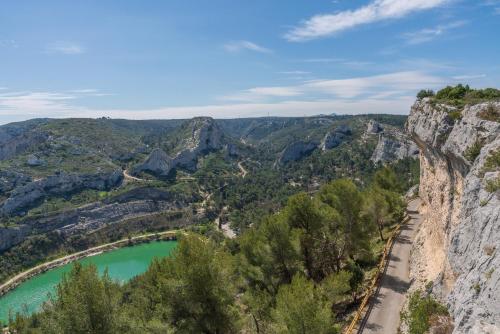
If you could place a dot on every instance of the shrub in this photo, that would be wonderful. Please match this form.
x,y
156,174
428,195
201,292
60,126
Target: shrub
x,y
425,93
461,95
421,308
489,273
472,152
493,161
453,93
489,250
491,113
455,115
492,164
493,185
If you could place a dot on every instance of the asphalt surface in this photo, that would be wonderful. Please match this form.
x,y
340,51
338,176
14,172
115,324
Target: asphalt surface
x,y
383,312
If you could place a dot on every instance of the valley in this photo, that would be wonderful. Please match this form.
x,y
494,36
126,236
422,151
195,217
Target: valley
x,y
146,176
296,224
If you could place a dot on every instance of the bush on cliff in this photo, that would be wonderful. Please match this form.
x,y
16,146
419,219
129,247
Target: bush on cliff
x,y
491,113
461,95
425,93
421,308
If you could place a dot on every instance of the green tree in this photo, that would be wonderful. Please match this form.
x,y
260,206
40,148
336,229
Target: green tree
x,y
387,179
303,213
337,286
425,93
302,309
376,210
193,290
347,229
357,277
83,303
269,254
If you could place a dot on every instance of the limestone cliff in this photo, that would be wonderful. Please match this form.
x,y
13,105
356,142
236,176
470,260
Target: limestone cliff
x,y
394,147
195,138
457,245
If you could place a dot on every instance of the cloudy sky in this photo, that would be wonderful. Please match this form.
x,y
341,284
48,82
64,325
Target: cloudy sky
x,y
226,58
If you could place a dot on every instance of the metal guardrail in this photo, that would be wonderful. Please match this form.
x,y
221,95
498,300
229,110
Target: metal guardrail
x,y
374,283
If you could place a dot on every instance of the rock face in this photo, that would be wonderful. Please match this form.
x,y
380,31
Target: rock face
x,y
16,138
394,148
157,163
374,127
457,245
10,180
135,203
336,137
297,151
199,136
57,185
34,161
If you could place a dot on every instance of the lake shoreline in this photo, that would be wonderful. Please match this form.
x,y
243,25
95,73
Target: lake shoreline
x,y
15,281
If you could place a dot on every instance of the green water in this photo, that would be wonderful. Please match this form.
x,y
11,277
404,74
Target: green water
x,y
122,264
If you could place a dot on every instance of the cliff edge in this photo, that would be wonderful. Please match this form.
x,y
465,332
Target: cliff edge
x,y
457,245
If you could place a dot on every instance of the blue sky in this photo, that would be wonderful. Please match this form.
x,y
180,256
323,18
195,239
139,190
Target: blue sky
x,y
227,58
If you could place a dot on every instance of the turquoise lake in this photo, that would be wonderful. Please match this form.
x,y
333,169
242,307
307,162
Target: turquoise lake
x,y
123,264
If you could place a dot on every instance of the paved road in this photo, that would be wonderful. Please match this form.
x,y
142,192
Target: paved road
x,y
383,313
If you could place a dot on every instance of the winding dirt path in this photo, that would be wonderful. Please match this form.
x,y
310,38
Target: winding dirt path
x,y
244,172
127,176
382,315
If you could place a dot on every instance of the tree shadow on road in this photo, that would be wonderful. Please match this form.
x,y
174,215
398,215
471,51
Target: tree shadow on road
x,y
395,284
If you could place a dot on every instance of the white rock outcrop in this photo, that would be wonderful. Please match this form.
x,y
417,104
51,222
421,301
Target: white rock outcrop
x,y
457,245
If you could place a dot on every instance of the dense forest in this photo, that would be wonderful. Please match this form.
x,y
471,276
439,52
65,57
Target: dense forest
x,y
299,270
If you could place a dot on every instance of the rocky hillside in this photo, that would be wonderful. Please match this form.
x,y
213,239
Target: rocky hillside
x,y
457,245
64,181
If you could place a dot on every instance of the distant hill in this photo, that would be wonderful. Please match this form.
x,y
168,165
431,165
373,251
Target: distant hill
x,y
78,182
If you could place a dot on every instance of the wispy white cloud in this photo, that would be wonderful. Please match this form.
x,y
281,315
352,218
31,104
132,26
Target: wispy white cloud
x,y
340,61
324,25
429,34
401,82
66,48
237,46
392,92
8,43
492,3
469,76
388,93
400,105
84,91
294,72
323,60
259,94
34,103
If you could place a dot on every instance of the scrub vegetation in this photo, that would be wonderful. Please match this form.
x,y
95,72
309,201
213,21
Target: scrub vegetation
x,y
299,270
